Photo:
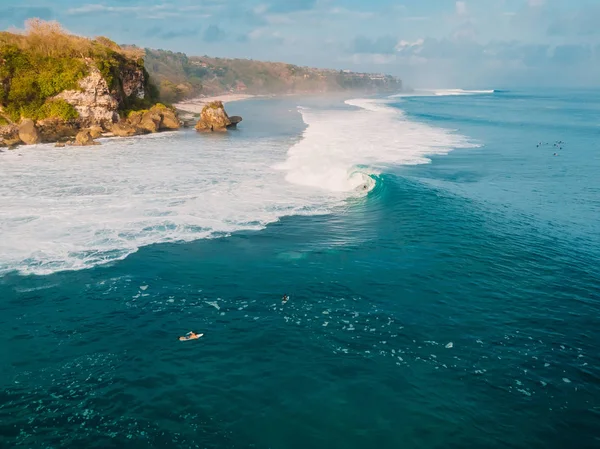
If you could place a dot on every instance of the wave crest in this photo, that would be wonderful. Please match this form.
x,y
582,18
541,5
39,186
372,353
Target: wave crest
x,y
445,92
373,136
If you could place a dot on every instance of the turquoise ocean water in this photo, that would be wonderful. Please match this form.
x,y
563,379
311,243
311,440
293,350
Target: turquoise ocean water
x,y
439,299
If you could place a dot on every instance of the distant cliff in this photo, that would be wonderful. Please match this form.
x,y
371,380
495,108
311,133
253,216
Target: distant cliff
x,y
55,84
179,76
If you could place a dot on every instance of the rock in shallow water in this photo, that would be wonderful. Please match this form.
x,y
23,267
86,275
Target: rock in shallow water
x,y
96,131
214,118
235,119
84,138
123,129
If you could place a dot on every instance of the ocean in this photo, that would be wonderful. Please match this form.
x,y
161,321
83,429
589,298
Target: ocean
x,y
442,263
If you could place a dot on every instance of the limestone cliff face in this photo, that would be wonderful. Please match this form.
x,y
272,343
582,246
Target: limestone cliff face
x,y
97,103
93,102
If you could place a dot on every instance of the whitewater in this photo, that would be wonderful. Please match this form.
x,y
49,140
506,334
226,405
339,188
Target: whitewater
x,y
444,93
71,209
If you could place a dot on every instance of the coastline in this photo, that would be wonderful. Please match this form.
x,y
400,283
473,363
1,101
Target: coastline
x,y
195,105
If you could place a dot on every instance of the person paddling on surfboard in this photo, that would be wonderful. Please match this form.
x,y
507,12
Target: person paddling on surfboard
x,y
285,298
190,336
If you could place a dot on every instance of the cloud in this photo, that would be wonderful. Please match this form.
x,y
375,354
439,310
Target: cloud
x,y
98,8
404,45
265,35
461,9
499,54
171,34
370,59
285,6
246,17
344,12
278,19
381,45
583,22
415,18
158,11
572,54
260,9
214,34
466,31
256,34
536,3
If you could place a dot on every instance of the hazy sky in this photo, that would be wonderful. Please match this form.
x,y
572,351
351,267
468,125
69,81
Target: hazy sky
x,y
437,43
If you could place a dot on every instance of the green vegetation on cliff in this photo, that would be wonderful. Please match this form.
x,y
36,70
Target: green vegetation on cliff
x,y
55,108
173,74
44,60
179,76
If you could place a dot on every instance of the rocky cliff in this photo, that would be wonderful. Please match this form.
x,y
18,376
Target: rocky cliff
x,y
54,85
93,100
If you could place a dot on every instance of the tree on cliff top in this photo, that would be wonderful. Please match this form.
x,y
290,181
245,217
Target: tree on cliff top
x,y
50,39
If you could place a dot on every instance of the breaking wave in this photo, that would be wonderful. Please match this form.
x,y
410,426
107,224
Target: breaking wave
x,y
445,92
76,208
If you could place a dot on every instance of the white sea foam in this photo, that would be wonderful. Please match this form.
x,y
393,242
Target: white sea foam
x,y
442,92
69,209
341,149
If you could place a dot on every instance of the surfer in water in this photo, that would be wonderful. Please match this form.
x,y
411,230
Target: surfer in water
x,y
190,336
285,299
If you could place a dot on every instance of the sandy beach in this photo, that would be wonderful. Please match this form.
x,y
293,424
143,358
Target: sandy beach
x,y
195,105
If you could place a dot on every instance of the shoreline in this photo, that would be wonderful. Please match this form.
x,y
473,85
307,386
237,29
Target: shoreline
x,y
195,105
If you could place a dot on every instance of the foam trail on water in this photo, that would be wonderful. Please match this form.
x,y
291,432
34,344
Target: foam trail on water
x,y
70,209
442,92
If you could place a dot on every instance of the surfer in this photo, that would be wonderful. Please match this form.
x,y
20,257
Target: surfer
x,y
190,336
285,299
